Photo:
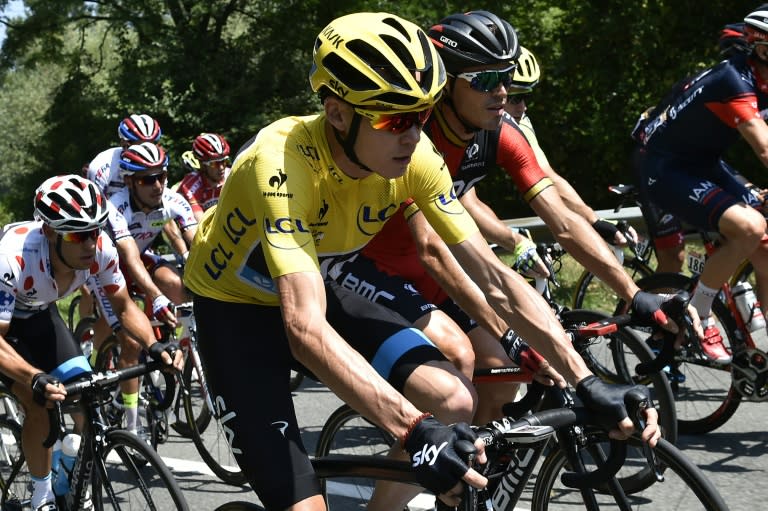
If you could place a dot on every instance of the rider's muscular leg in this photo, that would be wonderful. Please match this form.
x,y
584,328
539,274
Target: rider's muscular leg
x,y
449,339
670,259
34,431
759,260
743,228
439,388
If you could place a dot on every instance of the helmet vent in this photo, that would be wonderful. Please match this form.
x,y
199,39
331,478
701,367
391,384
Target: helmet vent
x,y
347,74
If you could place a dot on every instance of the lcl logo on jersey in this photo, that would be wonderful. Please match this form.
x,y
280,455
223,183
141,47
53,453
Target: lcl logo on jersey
x,y
370,220
449,203
275,229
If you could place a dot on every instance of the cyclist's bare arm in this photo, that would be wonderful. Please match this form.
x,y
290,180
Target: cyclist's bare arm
x,y
582,242
316,344
136,325
175,238
440,263
520,306
755,132
491,227
131,259
189,235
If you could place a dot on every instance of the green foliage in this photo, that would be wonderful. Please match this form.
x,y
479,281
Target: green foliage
x,y
70,70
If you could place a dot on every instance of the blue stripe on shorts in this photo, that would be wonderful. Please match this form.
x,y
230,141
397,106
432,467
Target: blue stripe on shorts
x,y
71,368
395,347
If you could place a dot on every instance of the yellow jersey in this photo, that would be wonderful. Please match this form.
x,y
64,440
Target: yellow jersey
x,y
287,207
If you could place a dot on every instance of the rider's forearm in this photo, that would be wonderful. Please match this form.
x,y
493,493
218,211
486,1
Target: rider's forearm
x,y
572,199
316,345
521,307
443,267
583,243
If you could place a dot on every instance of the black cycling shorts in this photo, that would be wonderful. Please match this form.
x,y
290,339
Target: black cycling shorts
x,y
248,361
44,341
364,276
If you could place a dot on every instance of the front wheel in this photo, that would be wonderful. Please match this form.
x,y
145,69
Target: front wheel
x,y
200,412
684,485
119,482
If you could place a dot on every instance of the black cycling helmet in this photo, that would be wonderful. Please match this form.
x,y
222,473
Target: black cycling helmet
x,y
474,38
733,39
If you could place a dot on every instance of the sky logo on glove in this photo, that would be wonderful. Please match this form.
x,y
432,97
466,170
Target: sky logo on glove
x,y
428,454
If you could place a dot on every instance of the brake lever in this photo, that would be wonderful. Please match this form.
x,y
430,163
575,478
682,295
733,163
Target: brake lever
x,y
650,454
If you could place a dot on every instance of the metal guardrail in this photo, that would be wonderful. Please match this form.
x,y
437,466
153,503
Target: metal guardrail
x,y
540,232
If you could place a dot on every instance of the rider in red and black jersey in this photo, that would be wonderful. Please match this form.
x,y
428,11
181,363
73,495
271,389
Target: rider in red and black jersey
x,y
474,134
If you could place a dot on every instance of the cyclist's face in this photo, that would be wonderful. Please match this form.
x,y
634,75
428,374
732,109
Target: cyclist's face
x,y
148,186
214,170
79,255
480,109
386,153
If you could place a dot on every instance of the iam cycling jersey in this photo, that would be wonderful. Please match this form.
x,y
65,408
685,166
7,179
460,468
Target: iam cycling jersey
x,y
199,191
104,170
287,207
126,219
698,119
683,138
27,284
394,250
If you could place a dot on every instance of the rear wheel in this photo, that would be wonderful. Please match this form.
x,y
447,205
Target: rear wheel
x,y
14,473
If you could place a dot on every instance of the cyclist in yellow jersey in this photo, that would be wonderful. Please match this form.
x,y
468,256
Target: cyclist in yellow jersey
x,y
307,193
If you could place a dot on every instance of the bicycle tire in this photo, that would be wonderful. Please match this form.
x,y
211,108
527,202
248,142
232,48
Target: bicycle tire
x,y
213,444
591,293
14,475
239,505
200,411
599,355
685,484
150,483
706,399
73,312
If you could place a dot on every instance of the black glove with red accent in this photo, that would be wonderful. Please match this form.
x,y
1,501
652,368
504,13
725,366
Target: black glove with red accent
x,y
432,448
646,308
520,352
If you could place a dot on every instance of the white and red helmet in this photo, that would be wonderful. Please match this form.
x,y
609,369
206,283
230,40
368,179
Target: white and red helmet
x,y
70,203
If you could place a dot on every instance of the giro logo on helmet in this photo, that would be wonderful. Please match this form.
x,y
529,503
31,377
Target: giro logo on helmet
x,y
449,42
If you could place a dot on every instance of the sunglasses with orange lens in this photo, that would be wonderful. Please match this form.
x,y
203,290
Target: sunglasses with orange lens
x,y
80,237
400,122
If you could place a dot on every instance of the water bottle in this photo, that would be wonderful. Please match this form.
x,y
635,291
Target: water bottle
x,y
69,447
748,306
55,459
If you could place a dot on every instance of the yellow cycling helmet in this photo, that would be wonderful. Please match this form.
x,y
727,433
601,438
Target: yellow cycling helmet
x,y
190,161
377,62
527,73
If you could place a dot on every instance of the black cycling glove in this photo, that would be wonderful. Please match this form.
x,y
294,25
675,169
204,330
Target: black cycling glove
x,y
39,381
606,230
156,350
606,398
432,448
646,308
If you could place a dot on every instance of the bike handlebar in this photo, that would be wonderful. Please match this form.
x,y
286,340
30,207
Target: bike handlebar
x,y
557,418
99,381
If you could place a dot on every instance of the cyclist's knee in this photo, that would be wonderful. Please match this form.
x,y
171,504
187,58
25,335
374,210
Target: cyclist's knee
x,y
744,226
129,349
453,343
439,388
